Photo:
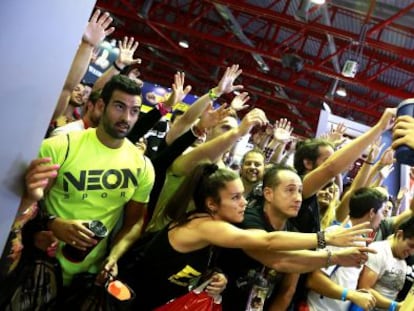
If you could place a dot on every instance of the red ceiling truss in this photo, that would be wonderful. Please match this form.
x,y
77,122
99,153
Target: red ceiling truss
x,y
386,74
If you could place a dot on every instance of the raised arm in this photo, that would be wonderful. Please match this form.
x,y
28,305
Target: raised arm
x,y
345,156
96,30
381,169
397,220
127,48
225,85
342,211
214,149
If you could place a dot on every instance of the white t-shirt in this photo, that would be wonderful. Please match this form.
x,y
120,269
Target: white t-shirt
x,y
67,128
344,276
391,271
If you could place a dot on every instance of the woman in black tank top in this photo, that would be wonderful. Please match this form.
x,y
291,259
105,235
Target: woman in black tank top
x,y
180,253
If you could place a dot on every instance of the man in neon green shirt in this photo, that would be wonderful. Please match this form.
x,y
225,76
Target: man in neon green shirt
x,y
102,176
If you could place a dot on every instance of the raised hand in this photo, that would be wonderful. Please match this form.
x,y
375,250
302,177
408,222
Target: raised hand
x,y
258,136
387,119
402,133
402,193
127,48
255,117
178,91
211,117
225,85
37,177
387,158
97,28
282,131
375,150
386,170
336,135
239,102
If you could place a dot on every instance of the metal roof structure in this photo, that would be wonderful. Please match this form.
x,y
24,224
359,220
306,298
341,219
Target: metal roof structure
x,y
292,52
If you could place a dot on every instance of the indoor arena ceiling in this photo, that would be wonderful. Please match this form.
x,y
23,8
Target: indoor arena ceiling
x,y
292,52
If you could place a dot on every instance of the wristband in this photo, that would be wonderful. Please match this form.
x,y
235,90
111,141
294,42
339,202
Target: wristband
x,y
116,66
393,306
321,239
84,40
344,294
212,95
161,108
369,163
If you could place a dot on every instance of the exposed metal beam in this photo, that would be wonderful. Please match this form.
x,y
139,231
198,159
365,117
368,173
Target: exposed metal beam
x,y
311,68
290,22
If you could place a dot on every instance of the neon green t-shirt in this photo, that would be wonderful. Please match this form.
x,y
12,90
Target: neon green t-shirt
x,y
94,183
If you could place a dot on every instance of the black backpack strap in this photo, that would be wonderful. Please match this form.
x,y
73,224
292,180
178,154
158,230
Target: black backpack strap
x,y
67,149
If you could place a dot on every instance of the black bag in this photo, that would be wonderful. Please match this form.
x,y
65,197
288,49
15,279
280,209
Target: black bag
x,y
39,282
132,259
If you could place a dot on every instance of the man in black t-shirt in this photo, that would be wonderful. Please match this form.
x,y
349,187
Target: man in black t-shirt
x,y
255,273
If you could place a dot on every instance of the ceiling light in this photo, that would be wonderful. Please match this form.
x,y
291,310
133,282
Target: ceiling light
x,y
326,107
184,44
318,1
265,67
341,91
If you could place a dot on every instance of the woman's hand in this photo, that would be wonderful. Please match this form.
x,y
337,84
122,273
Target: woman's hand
x,y
217,285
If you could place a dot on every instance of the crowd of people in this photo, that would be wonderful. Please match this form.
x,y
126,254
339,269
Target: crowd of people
x,y
274,230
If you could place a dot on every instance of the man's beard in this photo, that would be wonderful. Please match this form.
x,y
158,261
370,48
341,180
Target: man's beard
x,y
111,130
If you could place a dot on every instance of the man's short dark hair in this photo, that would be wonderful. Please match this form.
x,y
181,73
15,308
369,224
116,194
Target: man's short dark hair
x,y
254,150
407,227
120,83
95,95
308,149
365,199
271,176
